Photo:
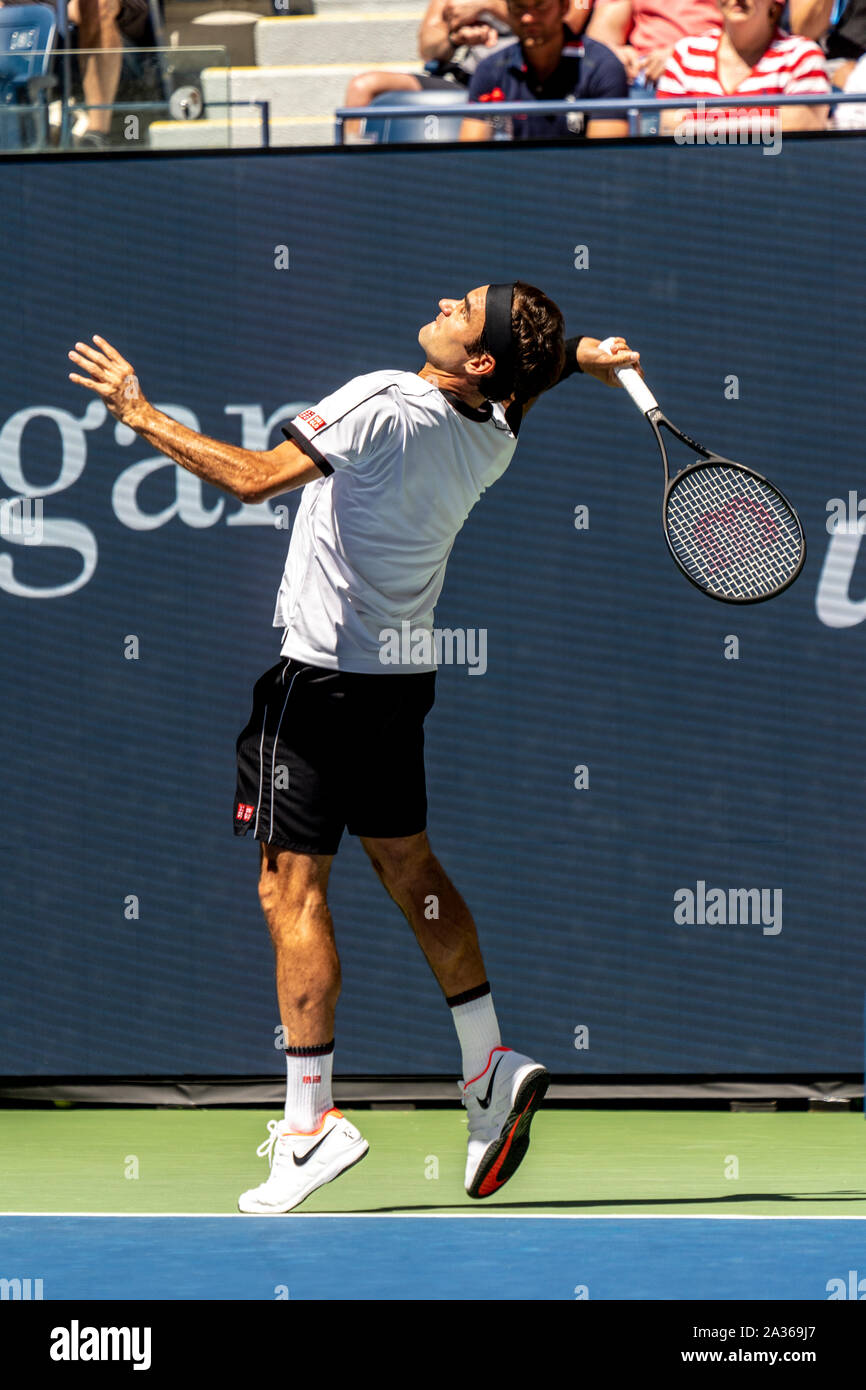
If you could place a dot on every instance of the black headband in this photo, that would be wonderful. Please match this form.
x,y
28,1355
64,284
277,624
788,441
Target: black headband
x,y
498,342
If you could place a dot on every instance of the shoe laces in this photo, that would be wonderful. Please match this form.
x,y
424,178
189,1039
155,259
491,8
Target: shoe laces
x,y
269,1144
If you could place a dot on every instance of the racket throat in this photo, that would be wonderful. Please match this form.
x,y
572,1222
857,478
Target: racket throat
x,y
683,437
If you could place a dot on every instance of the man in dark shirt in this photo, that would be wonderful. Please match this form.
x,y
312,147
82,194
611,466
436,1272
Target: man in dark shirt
x,y
549,63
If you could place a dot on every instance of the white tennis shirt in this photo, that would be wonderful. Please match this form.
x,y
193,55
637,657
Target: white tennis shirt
x,y
405,465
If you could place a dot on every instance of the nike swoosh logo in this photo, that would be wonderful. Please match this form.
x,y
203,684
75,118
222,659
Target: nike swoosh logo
x,y
309,1154
485,1102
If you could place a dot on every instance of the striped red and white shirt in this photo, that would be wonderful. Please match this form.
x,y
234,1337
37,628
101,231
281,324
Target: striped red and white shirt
x,y
790,65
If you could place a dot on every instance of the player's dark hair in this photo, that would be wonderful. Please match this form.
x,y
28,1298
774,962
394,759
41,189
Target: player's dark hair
x,y
538,336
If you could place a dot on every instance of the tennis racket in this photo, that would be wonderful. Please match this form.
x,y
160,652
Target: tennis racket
x,y
730,531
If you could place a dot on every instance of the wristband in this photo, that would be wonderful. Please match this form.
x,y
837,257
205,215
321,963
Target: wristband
x,y
571,362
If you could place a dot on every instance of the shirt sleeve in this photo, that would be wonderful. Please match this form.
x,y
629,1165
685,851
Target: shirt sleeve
x,y
809,73
609,78
352,428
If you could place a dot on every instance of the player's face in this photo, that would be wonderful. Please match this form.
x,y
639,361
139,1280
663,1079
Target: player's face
x,y
537,22
446,338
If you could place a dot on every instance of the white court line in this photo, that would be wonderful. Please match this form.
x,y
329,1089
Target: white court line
x,y
436,1216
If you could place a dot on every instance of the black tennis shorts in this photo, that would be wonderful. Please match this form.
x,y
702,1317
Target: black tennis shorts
x,y
326,751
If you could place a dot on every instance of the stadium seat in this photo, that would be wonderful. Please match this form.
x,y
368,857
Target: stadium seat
x,y
27,37
391,130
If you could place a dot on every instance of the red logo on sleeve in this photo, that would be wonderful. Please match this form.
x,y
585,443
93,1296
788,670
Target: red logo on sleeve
x,y
310,418
244,811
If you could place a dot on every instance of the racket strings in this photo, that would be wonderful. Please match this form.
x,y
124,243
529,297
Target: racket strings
x,y
732,532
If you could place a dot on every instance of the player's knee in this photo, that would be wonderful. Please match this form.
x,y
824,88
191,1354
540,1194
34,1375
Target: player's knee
x,y
403,864
292,880
291,903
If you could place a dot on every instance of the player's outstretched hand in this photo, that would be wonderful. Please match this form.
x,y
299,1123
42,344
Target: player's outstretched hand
x,y
110,376
595,362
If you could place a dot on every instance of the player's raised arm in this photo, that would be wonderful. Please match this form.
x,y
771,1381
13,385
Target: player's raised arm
x,y
249,475
587,355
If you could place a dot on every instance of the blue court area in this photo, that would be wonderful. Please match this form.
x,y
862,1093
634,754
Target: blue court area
x,y
431,1258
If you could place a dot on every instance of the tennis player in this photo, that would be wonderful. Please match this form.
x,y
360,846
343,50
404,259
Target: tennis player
x,y
392,463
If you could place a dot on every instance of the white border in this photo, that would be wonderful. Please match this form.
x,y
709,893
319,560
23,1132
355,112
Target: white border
x,y
430,1216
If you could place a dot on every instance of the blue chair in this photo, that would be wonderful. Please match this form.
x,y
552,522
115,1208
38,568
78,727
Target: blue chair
x,y
418,130
27,39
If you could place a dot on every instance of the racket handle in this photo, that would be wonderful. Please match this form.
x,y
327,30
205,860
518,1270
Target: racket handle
x,y
634,383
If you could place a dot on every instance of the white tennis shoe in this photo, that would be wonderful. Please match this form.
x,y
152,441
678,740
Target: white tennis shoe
x,y
500,1104
302,1162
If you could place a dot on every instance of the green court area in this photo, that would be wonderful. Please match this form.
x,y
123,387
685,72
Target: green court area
x,y
593,1162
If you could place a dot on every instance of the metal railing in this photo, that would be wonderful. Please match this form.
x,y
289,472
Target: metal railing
x,y
174,67
610,107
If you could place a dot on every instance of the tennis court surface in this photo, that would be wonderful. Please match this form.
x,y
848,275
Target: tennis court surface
x,y
141,1204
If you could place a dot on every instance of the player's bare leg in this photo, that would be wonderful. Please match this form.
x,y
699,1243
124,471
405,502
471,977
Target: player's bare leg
x,y
503,1088
314,1143
438,915
293,894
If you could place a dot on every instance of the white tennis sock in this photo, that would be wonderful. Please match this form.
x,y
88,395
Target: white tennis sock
x,y
477,1028
308,1086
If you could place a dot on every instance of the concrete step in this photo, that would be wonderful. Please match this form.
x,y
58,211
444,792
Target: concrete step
x,y
183,11
233,30
241,132
291,91
378,36
326,7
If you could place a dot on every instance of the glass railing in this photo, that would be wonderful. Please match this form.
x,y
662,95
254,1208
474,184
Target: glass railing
x,y
159,99
182,98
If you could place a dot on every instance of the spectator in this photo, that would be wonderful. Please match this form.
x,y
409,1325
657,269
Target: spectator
x,y
549,63
750,54
851,116
101,24
840,28
642,33
455,35
838,25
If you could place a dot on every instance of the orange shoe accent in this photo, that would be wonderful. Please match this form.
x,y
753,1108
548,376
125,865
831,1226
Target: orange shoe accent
x,y
305,1133
498,1048
490,1184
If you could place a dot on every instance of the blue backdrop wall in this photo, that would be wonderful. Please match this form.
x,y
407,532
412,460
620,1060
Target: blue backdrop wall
x,y
619,753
